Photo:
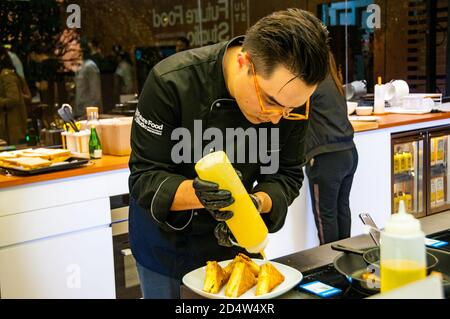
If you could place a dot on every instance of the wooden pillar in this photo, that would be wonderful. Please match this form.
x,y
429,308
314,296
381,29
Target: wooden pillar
x,y
379,45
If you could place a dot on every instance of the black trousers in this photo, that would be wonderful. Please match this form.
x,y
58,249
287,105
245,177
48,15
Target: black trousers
x,y
330,181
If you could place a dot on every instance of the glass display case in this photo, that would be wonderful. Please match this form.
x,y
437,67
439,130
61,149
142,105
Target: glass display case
x,y
408,174
420,173
439,181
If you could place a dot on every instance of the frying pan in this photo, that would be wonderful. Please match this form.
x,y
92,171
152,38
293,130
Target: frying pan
x,y
372,255
361,267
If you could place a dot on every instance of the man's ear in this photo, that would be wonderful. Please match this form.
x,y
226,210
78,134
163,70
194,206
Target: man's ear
x,y
243,59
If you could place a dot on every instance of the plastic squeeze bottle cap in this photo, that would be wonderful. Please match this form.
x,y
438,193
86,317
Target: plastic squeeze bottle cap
x,y
402,223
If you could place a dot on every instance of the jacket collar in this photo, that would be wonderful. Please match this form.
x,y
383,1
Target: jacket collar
x,y
219,75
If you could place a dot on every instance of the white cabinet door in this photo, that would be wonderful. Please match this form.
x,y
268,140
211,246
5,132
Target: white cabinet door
x,y
77,265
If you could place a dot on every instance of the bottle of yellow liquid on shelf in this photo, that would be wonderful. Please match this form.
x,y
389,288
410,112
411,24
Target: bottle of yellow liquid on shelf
x,y
247,226
403,162
397,163
408,202
440,157
396,201
408,160
402,251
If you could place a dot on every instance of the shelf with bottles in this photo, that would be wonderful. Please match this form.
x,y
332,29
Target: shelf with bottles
x,y
438,146
403,163
438,191
407,198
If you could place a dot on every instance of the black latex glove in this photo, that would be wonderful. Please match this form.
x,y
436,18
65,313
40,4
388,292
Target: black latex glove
x,y
223,234
213,198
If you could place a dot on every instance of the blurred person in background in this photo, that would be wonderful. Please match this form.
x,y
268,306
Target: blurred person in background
x,y
182,44
13,113
18,67
97,55
124,79
87,82
43,73
331,157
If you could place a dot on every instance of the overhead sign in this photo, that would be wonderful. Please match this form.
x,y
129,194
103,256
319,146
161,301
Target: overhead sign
x,y
214,21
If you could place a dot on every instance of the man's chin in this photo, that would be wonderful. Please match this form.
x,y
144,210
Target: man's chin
x,y
256,120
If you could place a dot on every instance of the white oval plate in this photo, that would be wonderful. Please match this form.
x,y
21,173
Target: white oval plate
x,y
196,278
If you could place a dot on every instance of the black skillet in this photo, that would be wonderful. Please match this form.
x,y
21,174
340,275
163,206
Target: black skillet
x,y
361,267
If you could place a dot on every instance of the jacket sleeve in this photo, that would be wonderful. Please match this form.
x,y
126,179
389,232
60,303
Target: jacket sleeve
x,y
153,181
12,91
284,186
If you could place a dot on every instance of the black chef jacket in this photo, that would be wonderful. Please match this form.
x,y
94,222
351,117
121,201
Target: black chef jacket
x,y
185,87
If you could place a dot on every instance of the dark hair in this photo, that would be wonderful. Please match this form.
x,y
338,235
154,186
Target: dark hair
x,y
5,60
293,38
41,48
126,57
95,43
85,48
117,48
185,41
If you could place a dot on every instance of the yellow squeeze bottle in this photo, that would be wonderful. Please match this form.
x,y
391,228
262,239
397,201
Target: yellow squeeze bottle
x,y
402,251
247,226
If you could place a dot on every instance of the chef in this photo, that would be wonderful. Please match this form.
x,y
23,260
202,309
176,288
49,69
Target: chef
x,y
260,84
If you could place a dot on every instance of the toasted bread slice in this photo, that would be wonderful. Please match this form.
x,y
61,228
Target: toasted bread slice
x,y
268,278
55,153
29,162
35,155
245,259
229,268
254,267
241,280
214,278
8,155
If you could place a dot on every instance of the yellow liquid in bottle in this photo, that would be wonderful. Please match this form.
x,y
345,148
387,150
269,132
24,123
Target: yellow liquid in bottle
x,y
403,163
396,273
246,224
396,163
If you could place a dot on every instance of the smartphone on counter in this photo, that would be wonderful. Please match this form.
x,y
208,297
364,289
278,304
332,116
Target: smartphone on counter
x,y
374,230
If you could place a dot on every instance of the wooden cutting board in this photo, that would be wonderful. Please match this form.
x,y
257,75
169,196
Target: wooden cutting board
x,y
360,126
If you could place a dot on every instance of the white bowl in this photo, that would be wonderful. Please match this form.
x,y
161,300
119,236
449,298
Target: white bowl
x,y
351,107
364,110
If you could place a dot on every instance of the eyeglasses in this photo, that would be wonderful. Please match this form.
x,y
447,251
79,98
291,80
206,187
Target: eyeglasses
x,y
285,114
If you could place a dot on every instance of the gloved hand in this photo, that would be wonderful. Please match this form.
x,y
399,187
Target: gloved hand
x,y
223,235
257,202
213,198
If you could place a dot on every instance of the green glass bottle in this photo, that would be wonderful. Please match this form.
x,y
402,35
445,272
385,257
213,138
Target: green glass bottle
x,y
95,147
